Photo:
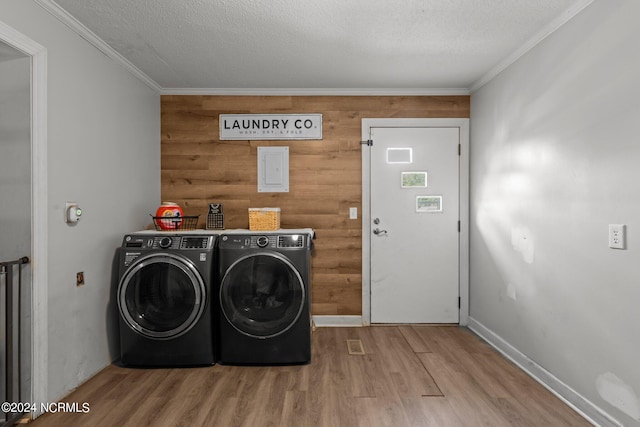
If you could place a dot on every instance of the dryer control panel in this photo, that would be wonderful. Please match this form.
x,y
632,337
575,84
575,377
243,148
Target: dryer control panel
x,y
264,241
291,241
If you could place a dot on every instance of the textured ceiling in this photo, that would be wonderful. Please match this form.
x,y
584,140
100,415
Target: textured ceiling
x,y
323,44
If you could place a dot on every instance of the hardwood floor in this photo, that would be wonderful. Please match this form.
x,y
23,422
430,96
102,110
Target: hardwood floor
x,y
407,376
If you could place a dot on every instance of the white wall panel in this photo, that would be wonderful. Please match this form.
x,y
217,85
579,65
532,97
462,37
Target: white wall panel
x,y
555,156
104,153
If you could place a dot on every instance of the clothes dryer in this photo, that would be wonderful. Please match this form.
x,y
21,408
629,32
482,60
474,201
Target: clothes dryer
x,y
264,298
164,299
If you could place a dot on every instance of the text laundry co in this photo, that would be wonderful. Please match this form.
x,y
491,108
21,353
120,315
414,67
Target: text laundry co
x,y
268,124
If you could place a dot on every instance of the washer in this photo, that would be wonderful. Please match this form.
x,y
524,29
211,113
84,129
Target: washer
x,y
264,298
164,299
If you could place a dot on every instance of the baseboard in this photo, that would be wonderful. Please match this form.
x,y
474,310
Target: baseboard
x,y
337,321
564,392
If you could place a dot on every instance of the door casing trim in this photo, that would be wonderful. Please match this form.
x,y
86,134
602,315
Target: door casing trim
x,y
463,248
39,225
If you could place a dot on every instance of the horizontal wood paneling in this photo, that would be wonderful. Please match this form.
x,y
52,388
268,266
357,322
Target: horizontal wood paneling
x,y
325,176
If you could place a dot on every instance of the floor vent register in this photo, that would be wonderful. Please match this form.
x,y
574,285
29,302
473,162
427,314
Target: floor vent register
x,y
355,347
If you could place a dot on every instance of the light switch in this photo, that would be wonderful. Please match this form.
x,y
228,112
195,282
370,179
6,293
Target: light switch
x,y
353,213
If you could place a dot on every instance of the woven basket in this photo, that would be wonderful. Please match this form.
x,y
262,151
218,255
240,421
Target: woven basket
x,y
264,219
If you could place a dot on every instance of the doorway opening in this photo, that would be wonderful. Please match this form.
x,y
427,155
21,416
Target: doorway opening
x,y
27,61
15,228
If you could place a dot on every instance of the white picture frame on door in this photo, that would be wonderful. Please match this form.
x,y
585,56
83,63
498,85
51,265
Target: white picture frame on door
x,y
413,180
429,204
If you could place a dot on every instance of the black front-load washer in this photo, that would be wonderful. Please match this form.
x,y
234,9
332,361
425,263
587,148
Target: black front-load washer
x,y
164,299
264,298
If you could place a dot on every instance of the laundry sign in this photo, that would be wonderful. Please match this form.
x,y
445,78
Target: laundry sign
x,y
270,126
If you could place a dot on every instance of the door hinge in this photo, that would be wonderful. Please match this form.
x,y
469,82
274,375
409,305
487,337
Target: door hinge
x,y
458,226
459,149
459,303
368,142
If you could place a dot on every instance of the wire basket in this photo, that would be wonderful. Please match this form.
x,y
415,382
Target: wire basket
x,y
175,223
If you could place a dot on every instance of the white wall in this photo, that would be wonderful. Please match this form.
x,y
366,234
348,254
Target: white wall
x,y
104,153
555,159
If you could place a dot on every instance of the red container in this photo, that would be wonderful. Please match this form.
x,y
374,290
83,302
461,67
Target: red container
x,y
172,212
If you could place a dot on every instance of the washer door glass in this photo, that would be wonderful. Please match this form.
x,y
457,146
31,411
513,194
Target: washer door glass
x,y
161,296
262,295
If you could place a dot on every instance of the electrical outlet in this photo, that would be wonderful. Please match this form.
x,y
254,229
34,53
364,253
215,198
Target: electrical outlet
x,y
80,278
617,236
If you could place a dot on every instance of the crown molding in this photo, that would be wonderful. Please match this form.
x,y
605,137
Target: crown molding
x,y
75,25
315,91
530,44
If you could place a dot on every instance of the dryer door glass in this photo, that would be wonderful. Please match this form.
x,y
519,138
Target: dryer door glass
x,y
262,295
161,296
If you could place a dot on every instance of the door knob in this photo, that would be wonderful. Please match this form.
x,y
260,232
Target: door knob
x,y
379,232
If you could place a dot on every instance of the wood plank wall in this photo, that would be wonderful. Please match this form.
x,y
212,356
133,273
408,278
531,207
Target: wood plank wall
x,y
325,176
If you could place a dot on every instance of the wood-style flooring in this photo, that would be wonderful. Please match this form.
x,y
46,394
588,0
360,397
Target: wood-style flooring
x,y
408,376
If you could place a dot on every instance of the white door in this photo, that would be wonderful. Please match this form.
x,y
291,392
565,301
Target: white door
x,y
414,218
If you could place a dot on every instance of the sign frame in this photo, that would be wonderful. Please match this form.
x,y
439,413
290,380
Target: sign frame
x,y
244,127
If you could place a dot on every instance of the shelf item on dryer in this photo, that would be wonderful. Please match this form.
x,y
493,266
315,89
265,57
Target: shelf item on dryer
x,y
215,217
179,223
168,216
264,219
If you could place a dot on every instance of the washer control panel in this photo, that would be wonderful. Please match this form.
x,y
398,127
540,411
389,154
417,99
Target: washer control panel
x,y
196,242
168,242
165,242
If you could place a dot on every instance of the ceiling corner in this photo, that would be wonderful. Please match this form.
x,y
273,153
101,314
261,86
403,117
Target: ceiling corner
x,y
67,19
565,17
